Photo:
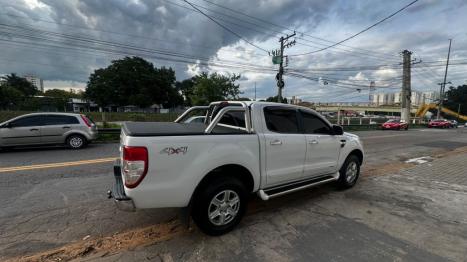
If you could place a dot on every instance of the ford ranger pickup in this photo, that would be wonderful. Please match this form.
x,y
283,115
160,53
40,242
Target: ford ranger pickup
x,y
211,168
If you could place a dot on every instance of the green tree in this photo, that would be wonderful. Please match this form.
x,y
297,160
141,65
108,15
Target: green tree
x,y
457,96
214,87
186,87
9,97
133,81
14,91
21,84
59,97
274,99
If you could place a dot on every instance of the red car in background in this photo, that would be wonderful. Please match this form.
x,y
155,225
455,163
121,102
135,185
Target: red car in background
x,y
441,123
395,124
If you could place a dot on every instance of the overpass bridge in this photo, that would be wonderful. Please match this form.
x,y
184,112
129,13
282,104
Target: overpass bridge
x,y
359,108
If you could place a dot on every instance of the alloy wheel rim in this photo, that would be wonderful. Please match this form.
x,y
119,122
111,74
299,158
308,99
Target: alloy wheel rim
x,y
223,207
76,142
351,172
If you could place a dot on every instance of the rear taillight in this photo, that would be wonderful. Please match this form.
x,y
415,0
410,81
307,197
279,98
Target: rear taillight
x,y
86,120
134,165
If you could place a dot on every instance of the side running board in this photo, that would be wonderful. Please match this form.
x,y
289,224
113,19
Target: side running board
x,y
266,194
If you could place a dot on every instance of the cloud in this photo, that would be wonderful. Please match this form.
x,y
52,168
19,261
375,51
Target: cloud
x,y
170,25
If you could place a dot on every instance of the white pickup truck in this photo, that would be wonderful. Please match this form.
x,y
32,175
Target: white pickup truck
x,y
212,168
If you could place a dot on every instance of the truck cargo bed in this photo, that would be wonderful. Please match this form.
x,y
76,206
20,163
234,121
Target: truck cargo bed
x,y
172,129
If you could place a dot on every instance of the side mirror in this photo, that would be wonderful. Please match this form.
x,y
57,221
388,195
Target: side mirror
x,y
337,130
7,125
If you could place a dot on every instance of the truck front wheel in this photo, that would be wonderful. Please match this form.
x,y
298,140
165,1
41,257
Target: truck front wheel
x,y
349,172
219,206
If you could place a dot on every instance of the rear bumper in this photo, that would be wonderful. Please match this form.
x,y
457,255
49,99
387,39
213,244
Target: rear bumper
x,y
93,135
122,201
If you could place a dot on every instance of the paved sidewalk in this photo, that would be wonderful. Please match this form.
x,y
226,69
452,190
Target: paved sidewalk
x,y
451,170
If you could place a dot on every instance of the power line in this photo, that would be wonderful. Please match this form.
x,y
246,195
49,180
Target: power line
x,y
206,47
88,40
225,27
275,31
286,28
108,51
361,32
368,54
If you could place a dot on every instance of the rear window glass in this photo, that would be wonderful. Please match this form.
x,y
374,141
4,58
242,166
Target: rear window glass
x,y
60,120
234,119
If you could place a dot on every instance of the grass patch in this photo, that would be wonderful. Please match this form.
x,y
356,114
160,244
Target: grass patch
x,y
109,116
108,138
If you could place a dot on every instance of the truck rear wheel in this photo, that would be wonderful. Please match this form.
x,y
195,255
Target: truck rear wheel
x,y
219,206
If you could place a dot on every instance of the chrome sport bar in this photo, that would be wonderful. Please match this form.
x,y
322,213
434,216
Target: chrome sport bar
x,y
189,110
224,110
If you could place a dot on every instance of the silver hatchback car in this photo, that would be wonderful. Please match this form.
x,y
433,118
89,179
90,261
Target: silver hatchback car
x,y
73,130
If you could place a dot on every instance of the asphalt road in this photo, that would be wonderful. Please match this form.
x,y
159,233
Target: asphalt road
x,y
44,208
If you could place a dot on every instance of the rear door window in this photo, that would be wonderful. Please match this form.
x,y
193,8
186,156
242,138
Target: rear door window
x,y
281,120
60,120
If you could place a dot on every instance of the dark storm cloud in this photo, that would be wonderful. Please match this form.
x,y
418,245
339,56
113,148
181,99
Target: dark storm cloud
x,y
164,25
161,24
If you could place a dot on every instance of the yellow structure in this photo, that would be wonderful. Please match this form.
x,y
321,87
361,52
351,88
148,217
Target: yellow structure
x,y
424,108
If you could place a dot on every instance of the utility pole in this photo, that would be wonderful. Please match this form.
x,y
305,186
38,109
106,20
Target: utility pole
x,y
443,85
458,111
278,58
406,93
370,93
255,91
406,88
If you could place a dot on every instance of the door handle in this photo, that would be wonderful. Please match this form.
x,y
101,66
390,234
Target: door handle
x,y
276,142
313,142
33,129
66,127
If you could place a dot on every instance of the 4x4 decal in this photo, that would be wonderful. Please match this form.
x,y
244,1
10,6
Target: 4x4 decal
x,y
170,150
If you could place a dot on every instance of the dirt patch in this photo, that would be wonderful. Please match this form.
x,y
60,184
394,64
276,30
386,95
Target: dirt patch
x,y
395,167
459,150
109,245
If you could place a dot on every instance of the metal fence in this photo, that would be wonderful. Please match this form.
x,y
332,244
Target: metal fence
x,y
109,131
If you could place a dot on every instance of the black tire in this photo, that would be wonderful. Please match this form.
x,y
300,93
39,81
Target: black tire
x,y
76,141
406,128
202,205
343,182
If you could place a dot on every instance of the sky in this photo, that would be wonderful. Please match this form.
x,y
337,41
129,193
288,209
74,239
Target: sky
x,y
64,41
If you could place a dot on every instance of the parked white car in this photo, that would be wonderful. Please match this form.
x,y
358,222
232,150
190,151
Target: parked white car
x,y
245,147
